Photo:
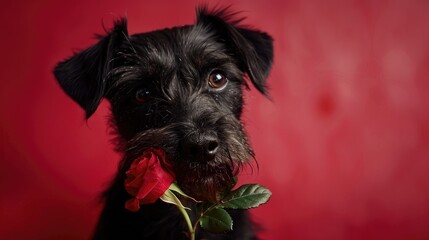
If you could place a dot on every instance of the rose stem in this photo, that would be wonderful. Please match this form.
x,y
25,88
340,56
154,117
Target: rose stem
x,y
188,221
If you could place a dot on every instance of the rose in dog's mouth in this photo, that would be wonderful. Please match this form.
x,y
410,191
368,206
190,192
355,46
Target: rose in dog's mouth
x,y
148,178
151,174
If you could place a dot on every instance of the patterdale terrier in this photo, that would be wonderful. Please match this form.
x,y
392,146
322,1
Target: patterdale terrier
x,y
180,90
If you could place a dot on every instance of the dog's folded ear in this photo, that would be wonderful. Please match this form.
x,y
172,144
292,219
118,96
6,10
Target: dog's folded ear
x,y
254,49
83,76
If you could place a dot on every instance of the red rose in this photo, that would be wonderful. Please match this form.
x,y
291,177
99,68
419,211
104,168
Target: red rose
x,y
147,179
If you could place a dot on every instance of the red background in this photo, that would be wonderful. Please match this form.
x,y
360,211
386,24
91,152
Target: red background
x,y
344,145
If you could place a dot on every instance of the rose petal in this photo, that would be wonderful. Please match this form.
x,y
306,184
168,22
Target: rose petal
x,y
132,204
155,194
133,185
146,189
148,178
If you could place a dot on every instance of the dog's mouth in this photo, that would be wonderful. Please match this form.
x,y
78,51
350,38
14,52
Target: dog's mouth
x,y
204,180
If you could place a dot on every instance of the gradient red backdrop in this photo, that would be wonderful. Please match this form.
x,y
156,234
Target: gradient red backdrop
x,y
344,145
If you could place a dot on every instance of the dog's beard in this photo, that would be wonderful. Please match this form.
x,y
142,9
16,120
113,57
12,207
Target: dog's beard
x,y
203,180
206,182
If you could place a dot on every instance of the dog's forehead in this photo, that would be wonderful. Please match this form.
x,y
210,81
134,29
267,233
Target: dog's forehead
x,y
171,49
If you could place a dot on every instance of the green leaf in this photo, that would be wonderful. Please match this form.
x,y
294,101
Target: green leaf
x,y
169,197
175,188
246,196
216,220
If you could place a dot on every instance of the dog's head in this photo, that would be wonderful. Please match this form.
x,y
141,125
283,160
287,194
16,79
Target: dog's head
x,y
178,89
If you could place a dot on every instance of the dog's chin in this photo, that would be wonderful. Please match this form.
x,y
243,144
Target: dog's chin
x,y
207,184
209,189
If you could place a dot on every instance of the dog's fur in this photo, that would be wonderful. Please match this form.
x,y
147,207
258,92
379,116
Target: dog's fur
x,y
157,85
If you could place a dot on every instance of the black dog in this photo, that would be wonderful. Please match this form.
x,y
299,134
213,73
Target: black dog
x,y
178,89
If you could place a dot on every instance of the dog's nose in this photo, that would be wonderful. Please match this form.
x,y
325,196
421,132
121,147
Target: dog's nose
x,y
210,145
203,148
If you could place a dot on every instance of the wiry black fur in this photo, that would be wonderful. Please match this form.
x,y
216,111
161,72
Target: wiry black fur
x,y
180,112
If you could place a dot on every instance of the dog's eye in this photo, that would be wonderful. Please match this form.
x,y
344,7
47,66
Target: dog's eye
x,y
142,94
217,80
